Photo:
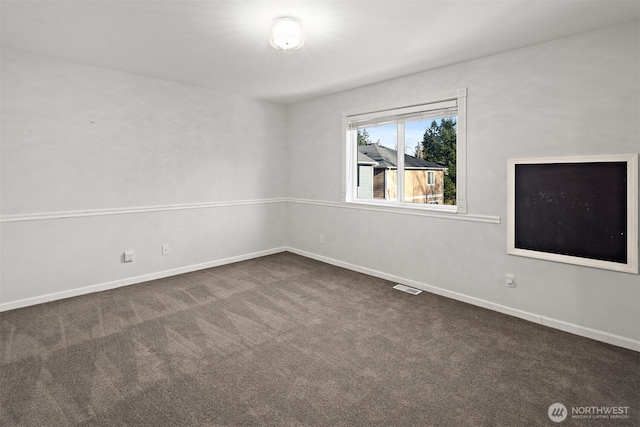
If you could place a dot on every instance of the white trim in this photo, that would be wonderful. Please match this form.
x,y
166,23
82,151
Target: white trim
x,y
631,266
127,211
532,317
349,160
394,105
461,155
133,280
400,190
407,209
431,179
414,112
437,211
582,331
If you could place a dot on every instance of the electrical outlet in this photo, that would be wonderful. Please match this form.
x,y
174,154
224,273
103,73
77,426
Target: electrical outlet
x,y
321,239
128,256
510,280
165,249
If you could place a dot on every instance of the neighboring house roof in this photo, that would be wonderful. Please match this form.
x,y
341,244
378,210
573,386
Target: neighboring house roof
x,y
363,159
387,158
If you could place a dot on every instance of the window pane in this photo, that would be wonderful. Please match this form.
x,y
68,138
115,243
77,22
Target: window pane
x,y
377,162
431,178
430,161
407,153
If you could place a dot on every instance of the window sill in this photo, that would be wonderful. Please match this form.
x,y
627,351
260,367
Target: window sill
x,y
402,210
423,207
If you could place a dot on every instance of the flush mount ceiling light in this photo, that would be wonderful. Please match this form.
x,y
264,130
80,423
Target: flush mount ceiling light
x,y
286,34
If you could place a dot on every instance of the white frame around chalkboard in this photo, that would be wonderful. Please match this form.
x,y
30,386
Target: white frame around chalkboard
x,y
631,266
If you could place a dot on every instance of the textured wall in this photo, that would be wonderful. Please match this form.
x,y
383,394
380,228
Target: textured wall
x,y
77,138
574,96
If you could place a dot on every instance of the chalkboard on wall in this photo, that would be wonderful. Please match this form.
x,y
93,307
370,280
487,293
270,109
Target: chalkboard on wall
x,y
581,210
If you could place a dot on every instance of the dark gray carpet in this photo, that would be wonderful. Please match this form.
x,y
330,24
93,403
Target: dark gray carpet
x,y
288,341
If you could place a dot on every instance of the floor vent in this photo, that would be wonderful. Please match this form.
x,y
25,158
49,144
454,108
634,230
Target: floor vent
x,y
403,288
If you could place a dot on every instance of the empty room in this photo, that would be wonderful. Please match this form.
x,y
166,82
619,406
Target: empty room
x,y
319,213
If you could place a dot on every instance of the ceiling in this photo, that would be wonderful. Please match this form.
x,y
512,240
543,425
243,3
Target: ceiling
x,y
223,45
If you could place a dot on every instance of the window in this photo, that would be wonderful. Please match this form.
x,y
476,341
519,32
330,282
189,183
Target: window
x,y
431,178
409,154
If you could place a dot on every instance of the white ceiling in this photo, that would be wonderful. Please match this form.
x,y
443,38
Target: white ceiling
x,y
223,45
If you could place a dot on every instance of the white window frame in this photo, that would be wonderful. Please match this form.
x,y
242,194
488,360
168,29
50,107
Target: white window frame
x,y
431,178
393,112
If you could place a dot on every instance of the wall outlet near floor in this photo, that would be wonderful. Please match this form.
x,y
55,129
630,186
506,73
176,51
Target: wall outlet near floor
x,y
510,280
321,239
165,249
128,256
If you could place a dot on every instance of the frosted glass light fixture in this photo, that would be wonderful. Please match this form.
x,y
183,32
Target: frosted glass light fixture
x,y
286,34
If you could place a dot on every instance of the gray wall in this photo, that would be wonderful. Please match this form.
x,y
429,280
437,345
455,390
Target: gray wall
x,y
127,157
575,96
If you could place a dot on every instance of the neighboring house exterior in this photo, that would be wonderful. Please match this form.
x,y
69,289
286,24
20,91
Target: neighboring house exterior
x,y
378,171
366,166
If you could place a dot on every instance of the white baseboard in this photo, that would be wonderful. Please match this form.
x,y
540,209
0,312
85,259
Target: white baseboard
x,y
133,280
532,317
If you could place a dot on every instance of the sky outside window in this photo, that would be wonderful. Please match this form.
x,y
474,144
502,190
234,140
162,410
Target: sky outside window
x,y
413,131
